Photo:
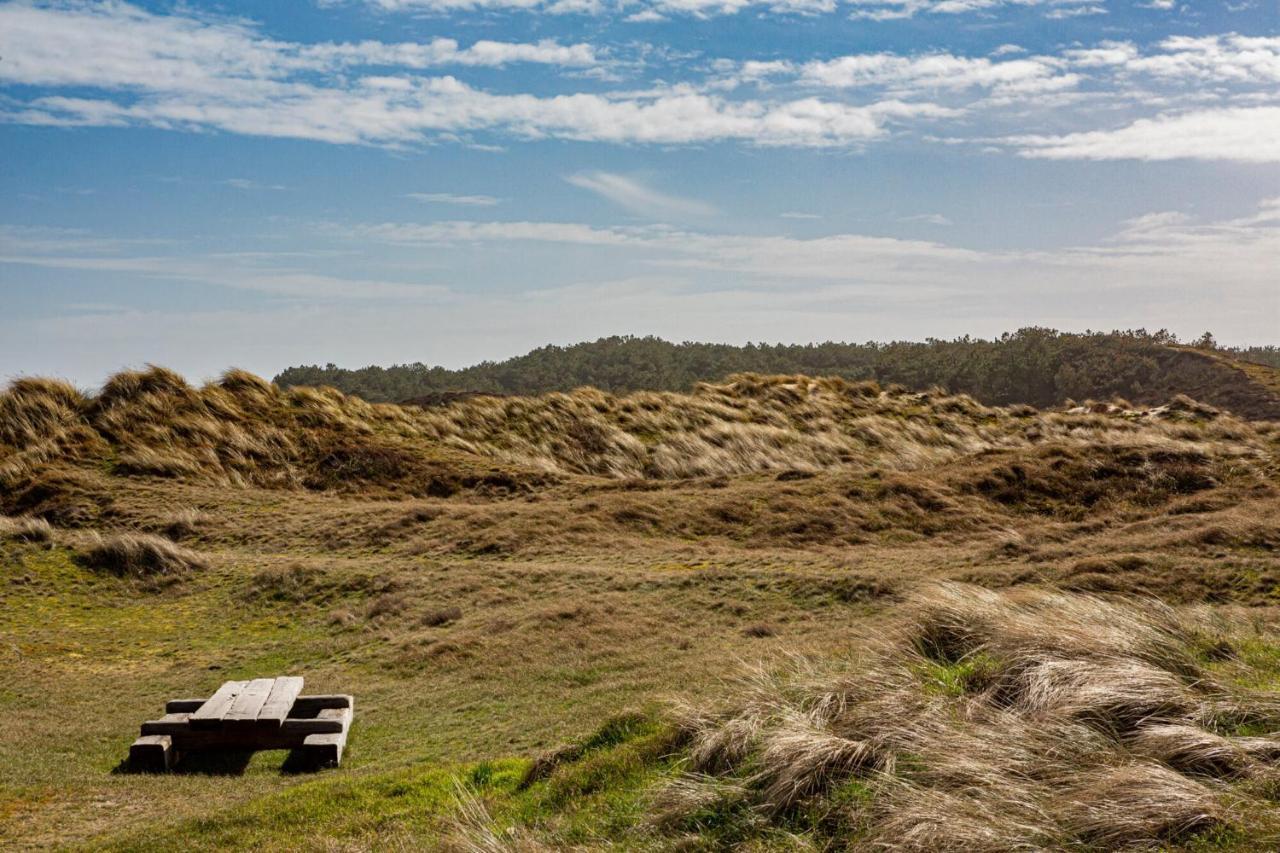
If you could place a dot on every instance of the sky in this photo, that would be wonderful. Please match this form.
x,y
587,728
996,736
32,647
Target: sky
x,y
265,184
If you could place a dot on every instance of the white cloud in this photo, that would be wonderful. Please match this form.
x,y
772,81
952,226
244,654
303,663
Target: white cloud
x,y
928,219
1075,12
189,73
1226,58
237,273
445,51
31,239
116,45
653,10
882,10
422,109
1242,134
113,64
453,198
913,75
459,232
636,197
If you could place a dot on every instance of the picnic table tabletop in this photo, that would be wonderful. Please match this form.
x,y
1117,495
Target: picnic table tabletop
x,y
262,701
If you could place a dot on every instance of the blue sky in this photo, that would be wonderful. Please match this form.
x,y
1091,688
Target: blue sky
x,y
204,185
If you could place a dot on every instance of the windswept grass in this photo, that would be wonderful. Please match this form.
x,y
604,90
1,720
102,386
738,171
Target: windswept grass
x,y
140,555
1061,721
243,430
26,529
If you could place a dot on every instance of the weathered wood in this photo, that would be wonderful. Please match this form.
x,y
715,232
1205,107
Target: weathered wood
x,y
324,749
179,706
169,724
238,738
283,694
306,706
152,752
210,714
244,710
328,721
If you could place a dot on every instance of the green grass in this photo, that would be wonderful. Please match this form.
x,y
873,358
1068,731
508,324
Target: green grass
x,y
85,658
967,675
597,796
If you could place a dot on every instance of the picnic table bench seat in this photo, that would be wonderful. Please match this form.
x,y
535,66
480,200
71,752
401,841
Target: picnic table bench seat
x,y
264,713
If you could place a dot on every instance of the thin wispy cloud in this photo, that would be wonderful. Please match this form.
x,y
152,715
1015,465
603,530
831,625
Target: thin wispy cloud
x,y
1171,246
247,184
454,198
1243,134
1170,267
639,198
927,219
217,271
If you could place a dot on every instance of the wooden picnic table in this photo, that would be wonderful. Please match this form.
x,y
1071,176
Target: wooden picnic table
x,y
264,713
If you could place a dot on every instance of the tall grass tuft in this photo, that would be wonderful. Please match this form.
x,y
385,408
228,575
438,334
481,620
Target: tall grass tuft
x,y
140,555
26,529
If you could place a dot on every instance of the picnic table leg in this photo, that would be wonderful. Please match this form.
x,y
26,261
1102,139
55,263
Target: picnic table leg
x,y
153,752
324,750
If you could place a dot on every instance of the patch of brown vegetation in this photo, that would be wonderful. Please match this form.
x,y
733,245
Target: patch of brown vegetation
x,y
66,497
243,430
1071,481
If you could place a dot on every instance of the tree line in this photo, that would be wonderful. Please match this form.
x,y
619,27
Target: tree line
x,y
1033,365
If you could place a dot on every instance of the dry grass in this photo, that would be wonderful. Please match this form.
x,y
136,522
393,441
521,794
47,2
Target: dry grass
x,y
440,616
998,721
26,529
66,497
295,582
140,555
184,523
244,430
473,830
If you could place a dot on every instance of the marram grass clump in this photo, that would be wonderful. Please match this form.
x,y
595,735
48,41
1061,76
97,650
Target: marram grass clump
x,y
993,721
26,529
140,555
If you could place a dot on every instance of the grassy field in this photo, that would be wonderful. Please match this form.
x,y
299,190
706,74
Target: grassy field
x,y
546,608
